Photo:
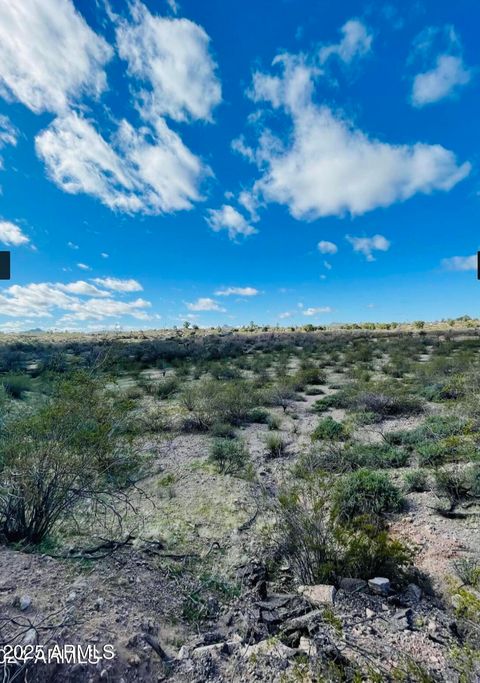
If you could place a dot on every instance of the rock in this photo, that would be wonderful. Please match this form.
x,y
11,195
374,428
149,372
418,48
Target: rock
x,y
214,650
276,601
269,648
71,596
254,575
30,637
379,585
353,585
369,613
251,573
321,594
183,653
98,604
304,623
270,617
402,619
22,602
413,594
80,583
306,645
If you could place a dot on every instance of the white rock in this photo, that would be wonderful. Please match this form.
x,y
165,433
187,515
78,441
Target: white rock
x,y
306,645
321,594
269,648
25,602
30,637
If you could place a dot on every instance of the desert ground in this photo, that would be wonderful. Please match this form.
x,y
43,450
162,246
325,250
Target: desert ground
x,y
256,504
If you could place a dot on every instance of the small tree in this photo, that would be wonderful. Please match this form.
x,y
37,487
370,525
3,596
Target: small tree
x,y
70,451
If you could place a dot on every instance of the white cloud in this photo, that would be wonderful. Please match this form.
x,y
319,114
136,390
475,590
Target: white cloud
x,y
8,134
46,299
367,245
325,247
443,71
83,266
249,202
171,56
460,263
238,145
72,245
327,265
240,291
83,288
356,42
329,167
104,255
228,218
11,234
118,285
99,309
317,311
131,174
49,56
174,6
205,304
284,315
448,74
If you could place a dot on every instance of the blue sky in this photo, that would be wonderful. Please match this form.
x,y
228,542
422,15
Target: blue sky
x,y
221,162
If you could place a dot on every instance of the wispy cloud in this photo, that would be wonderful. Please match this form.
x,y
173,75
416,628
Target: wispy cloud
x,y
8,134
49,56
367,245
447,72
118,285
172,58
140,172
317,310
325,247
77,300
240,291
460,263
356,42
12,235
229,219
205,304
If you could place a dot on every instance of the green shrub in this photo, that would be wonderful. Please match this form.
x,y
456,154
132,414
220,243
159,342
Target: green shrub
x,y
416,481
276,445
329,429
319,549
365,492
209,401
370,551
16,385
452,485
167,387
432,454
230,456
473,480
385,403
274,422
376,456
223,430
468,570
282,394
72,450
332,401
258,416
